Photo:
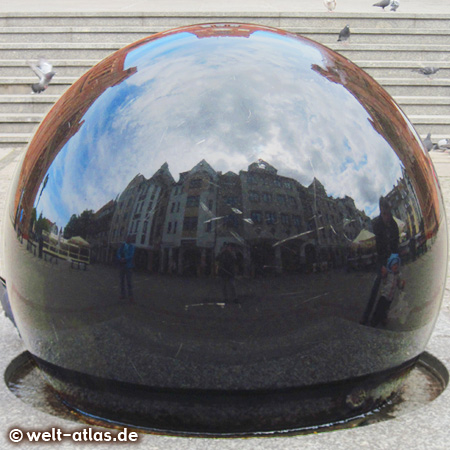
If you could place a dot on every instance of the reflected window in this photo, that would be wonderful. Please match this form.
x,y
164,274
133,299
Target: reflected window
x,y
190,223
254,196
281,199
195,183
267,197
169,227
252,179
285,219
192,201
292,202
172,208
271,217
297,221
231,200
288,185
256,216
175,227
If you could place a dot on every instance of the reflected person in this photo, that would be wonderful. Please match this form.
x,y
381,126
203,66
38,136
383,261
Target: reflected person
x,y
125,256
391,286
226,271
387,237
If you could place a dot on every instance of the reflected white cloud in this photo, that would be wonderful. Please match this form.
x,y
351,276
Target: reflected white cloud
x,y
229,101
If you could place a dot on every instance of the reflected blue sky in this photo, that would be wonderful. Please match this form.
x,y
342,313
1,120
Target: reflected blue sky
x,y
230,101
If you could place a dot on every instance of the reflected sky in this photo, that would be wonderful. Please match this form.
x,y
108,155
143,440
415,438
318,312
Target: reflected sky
x,y
230,101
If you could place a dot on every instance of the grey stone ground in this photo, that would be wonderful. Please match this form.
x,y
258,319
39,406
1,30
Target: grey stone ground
x,y
426,427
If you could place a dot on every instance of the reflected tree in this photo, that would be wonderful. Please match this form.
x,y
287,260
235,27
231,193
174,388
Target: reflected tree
x,y
79,225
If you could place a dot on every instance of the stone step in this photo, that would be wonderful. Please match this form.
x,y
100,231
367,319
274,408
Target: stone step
x,y
419,87
34,104
14,139
381,69
22,85
131,34
426,105
63,67
97,51
19,123
276,19
425,86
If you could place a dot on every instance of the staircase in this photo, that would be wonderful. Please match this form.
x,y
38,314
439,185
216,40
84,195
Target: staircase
x,y
389,46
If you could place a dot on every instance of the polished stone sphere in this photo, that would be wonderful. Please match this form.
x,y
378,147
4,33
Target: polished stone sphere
x,y
225,228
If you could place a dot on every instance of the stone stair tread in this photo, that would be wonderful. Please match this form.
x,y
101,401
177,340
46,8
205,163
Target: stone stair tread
x,y
401,64
19,98
157,28
418,118
424,81
21,117
55,62
107,45
425,99
388,47
32,79
170,14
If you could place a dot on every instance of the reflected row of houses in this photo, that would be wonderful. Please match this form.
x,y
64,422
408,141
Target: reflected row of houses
x,y
273,222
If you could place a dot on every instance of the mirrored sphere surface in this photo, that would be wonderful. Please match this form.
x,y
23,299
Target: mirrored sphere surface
x,y
195,239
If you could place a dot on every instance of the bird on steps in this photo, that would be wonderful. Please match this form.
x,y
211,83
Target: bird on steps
x,y
383,3
395,4
330,4
344,34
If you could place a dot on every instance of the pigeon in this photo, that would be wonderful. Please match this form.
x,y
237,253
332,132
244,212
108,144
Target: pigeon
x,y
394,5
444,144
427,142
44,70
344,33
383,3
427,70
330,4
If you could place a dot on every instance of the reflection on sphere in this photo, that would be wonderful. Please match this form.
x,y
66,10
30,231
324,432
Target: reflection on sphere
x,y
198,217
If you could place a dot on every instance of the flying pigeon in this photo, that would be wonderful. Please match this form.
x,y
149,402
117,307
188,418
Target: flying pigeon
x,y
344,33
428,70
44,70
330,4
428,143
395,4
383,3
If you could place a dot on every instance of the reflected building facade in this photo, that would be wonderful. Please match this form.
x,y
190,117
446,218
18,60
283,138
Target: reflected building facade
x,y
274,223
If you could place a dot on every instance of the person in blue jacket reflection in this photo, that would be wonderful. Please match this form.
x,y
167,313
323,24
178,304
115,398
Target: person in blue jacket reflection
x,y
387,238
125,256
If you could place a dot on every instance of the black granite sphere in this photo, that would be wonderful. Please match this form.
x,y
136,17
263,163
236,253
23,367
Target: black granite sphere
x,y
225,228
